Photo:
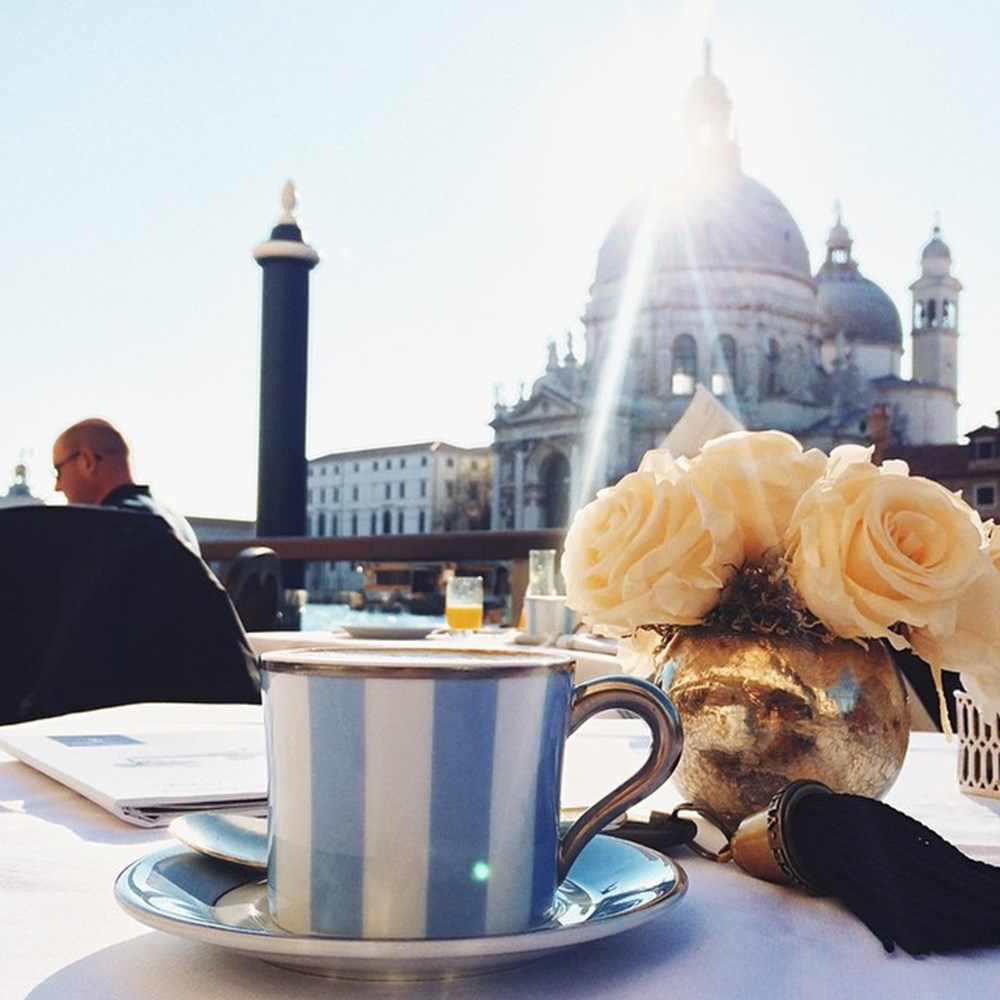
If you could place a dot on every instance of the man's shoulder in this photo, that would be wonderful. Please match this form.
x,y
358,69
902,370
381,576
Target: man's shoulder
x,y
130,495
138,497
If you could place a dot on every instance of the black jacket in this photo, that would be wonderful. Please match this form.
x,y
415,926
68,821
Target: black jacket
x,y
103,607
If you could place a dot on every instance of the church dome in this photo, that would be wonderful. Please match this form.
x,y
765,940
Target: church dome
x,y
853,305
725,221
715,217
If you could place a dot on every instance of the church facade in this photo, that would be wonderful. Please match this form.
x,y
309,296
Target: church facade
x,y
706,281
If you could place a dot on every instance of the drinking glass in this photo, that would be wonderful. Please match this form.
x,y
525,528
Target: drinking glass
x,y
541,571
463,605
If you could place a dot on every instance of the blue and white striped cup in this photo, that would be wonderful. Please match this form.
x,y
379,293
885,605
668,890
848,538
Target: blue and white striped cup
x,y
414,787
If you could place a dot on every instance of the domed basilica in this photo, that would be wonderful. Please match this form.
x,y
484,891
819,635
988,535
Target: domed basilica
x,y
706,281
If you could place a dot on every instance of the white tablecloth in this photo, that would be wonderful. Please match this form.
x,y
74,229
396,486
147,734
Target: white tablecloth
x,y
63,935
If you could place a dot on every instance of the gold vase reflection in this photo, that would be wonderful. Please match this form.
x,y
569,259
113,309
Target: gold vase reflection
x,y
761,711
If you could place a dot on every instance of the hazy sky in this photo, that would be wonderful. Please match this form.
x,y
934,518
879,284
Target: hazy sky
x,y
458,164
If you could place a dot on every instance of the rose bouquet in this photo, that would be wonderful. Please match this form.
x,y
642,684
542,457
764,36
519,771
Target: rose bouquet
x,y
756,534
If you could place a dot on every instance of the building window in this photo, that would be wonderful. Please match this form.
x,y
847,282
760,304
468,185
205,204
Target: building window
x,y
320,524
374,524
983,448
555,476
985,495
399,523
354,493
388,491
724,366
684,367
949,314
422,522
375,465
334,525
336,494
386,522
402,490
322,496
402,462
450,463
357,467
354,522
449,489
336,470
423,487
772,380
423,461
388,463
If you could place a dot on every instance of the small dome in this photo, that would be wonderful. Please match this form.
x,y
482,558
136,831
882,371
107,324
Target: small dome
x,y
937,248
725,221
860,310
853,305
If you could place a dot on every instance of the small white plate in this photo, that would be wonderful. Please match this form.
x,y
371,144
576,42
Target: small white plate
x,y
386,631
612,887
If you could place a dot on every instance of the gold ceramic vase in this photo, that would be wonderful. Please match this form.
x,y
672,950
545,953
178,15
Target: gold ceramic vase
x,y
760,711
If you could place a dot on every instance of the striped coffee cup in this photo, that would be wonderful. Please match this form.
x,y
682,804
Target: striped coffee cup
x,y
414,787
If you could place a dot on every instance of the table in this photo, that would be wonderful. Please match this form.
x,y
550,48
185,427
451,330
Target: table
x,y
594,657
64,935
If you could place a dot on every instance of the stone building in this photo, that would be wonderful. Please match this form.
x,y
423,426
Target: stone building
x,y
972,469
395,490
706,280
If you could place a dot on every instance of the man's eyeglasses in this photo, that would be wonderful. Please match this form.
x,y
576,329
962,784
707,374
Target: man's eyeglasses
x,y
69,458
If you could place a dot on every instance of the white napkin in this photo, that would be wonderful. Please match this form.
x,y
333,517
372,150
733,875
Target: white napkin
x,y
704,419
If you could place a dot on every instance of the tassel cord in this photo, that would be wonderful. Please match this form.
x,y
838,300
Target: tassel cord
x,y
907,884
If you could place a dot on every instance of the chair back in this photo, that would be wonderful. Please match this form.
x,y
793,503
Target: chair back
x,y
253,582
103,606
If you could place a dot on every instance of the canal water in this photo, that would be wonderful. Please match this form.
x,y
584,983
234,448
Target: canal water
x,y
320,617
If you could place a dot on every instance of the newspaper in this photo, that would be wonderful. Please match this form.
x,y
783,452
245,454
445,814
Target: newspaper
x,y
149,763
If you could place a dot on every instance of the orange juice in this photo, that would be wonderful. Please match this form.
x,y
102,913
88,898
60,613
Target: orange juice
x,y
464,616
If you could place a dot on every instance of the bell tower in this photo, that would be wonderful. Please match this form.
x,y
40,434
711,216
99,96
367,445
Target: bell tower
x,y
935,317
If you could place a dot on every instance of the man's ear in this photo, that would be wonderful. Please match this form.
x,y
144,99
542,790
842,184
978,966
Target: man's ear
x,y
89,460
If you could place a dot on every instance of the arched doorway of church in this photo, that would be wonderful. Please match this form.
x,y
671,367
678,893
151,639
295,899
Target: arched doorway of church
x,y
555,482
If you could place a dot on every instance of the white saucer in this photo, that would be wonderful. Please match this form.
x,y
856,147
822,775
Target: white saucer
x,y
613,886
388,631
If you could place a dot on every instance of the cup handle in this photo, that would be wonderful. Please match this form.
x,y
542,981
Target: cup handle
x,y
651,705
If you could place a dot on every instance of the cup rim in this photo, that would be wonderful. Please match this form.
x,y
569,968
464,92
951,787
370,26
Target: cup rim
x,y
390,660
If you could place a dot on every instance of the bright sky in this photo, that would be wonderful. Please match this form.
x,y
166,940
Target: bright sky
x,y
458,164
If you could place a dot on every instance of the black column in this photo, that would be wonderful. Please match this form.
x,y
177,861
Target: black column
x,y
286,260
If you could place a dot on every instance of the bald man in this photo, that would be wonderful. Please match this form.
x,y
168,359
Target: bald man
x,y
92,466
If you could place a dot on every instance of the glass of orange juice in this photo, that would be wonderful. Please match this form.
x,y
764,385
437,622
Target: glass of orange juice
x,y
463,603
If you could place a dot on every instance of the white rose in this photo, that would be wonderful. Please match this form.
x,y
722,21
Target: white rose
x,y
636,651
765,473
661,463
973,647
871,548
648,551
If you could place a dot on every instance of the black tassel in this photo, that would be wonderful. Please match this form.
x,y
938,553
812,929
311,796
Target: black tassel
x,y
905,882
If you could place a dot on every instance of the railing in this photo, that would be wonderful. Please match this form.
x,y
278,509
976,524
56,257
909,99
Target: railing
x,y
446,546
